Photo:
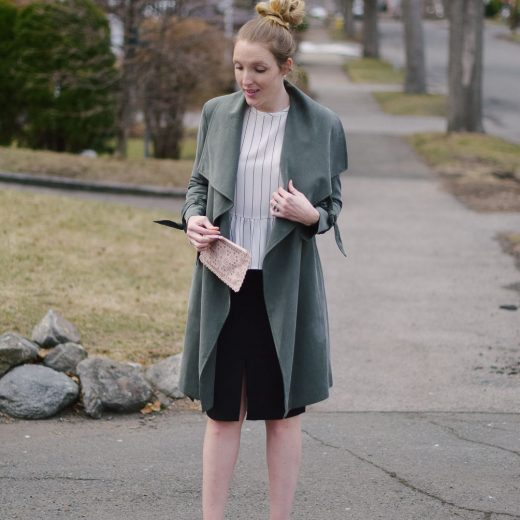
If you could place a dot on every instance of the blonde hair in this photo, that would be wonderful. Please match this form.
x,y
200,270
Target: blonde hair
x,y
272,27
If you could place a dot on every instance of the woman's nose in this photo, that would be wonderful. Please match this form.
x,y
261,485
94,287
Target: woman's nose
x,y
246,78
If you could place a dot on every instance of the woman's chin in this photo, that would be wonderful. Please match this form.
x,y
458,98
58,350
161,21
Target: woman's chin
x,y
251,101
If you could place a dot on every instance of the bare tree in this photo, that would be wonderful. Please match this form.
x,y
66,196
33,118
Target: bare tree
x,y
180,61
465,66
415,80
131,14
370,30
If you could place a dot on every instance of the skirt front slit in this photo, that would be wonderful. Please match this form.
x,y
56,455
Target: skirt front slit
x,y
246,344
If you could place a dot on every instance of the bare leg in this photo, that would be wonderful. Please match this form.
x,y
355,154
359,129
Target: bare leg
x,y
284,446
220,453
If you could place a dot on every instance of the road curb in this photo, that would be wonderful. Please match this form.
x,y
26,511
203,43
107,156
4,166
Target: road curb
x,y
52,181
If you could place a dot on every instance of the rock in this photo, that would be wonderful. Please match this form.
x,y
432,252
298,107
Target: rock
x,y
36,392
65,356
53,330
109,384
164,376
92,154
15,350
163,399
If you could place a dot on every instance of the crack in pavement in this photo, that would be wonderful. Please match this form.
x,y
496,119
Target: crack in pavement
x,y
472,423
409,485
456,434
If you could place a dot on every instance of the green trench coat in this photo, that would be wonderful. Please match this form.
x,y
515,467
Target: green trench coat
x,y
314,154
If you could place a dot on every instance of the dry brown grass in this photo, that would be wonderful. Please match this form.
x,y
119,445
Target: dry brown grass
x,y
370,70
155,172
481,170
109,269
400,103
511,244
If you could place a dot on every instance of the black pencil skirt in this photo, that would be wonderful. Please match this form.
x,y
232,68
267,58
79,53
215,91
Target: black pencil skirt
x,y
246,344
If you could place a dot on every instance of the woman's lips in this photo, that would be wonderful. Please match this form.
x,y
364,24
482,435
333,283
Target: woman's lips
x,y
250,92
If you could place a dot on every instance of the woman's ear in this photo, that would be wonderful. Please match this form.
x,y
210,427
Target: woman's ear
x,y
287,66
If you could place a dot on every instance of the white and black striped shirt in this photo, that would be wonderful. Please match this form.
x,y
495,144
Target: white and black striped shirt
x,y
258,176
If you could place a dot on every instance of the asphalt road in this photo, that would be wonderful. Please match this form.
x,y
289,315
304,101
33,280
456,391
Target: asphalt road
x,y
501,75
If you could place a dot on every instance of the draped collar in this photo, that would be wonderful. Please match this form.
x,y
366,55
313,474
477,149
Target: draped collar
x,y
305,156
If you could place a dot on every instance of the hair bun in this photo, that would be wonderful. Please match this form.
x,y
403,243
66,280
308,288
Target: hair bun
x,y
288,13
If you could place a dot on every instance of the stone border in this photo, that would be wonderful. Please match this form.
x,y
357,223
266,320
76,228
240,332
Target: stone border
x,y
43,375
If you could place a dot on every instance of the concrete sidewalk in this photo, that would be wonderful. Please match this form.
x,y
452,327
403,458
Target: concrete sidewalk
x,y
420,423
415,308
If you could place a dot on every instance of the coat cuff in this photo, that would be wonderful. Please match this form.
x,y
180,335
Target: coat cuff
x,y
190,212
320,226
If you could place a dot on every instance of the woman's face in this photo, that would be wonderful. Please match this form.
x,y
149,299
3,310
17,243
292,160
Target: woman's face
x,y
258,75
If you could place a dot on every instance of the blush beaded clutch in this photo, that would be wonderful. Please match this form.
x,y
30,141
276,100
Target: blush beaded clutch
x,y
228,261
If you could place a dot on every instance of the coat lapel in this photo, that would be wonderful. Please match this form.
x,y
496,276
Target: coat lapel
x,y
299,160
220,157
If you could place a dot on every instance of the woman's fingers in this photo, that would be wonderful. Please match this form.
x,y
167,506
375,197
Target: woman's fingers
x,y
202,225
201,232
292,206
203,241
292,189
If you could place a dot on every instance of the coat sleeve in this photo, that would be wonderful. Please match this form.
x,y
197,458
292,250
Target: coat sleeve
x,y
197,192
330,207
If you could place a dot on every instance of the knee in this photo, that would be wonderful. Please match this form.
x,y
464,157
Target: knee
x,y
279,427
223,428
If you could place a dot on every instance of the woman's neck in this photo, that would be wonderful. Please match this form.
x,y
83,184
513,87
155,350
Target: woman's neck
x,y
278,104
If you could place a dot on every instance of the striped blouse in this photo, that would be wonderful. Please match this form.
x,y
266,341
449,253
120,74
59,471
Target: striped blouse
x,y
258,176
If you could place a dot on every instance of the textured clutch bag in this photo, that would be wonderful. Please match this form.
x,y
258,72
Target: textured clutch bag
x,y
228,261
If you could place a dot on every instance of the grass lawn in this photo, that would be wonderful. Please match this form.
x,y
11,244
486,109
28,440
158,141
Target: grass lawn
x,y
134,170
511,244
511,37
109,269
482,170
400,104
369,70
157,172
189,144
337,33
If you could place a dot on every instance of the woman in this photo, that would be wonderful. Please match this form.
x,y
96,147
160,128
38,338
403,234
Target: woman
x,y
266,175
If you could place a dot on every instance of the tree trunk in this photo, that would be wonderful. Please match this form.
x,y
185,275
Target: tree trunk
x,y
123,113
465,66
514,20
166,130
166,144
370,30
130,19
349,27
415,80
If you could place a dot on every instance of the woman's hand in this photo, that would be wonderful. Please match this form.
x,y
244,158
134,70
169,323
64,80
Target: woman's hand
x,y
293,205
201,232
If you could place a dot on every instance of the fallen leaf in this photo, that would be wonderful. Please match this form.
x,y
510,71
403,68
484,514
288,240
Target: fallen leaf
x,y
151,407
